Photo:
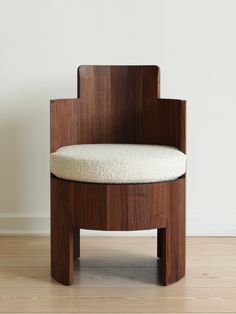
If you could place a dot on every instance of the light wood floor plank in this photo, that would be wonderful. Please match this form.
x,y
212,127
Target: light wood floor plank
x,y
117,277
131,300
113,276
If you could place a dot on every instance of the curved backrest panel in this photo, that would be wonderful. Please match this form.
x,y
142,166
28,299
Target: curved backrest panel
x,y
111,101
118,104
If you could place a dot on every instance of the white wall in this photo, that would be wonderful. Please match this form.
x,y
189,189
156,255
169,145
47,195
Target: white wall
x,y
43,41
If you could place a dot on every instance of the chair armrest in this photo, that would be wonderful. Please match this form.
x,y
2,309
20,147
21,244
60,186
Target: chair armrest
x,y
64,116
164,123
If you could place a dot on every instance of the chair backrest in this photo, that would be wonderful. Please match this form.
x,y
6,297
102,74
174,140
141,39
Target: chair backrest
x,y
118,104
112,100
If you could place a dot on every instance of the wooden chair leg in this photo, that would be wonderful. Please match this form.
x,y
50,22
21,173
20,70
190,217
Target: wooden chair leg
x,y
61,233
62,256
159,243
77,244
172,238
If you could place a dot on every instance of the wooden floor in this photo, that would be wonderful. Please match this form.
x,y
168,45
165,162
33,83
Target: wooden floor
x,y
117,275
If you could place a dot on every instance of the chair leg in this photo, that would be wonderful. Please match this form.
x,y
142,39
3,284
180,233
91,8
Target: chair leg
x,y
159,243
171,240
62,256
61,233
76,244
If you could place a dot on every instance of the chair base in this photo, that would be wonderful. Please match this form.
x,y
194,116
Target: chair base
x,y
117,207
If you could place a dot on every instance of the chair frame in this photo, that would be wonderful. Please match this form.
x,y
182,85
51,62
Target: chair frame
x,y
118,104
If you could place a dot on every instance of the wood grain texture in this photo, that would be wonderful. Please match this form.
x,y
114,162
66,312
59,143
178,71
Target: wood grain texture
x,y
118,104
164,123
120,207
114,96
171,239
64,123
161,122
62,231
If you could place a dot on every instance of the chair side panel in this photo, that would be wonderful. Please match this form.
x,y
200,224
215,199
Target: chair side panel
x,y
64,123
164,123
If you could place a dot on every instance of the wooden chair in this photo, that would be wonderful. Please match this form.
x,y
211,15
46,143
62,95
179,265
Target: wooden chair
x,y
118,104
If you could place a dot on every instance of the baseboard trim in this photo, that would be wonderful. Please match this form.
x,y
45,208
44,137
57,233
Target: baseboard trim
x,y
26,225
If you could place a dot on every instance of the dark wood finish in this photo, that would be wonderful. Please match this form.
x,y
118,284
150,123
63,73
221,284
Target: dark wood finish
x,y
159,122
143,79
163,123
64,123
62,232
110,106
117,207
172,238
76,243
118,104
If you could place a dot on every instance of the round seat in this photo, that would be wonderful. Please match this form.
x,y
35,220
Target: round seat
x,y
118,163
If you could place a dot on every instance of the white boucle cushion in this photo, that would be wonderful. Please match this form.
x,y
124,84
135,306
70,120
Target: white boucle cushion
x,y
118,163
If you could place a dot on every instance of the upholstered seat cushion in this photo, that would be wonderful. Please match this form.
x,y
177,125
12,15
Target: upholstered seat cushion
x,y
118,163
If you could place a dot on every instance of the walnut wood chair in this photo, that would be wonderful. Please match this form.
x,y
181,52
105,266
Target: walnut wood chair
x,y
118,105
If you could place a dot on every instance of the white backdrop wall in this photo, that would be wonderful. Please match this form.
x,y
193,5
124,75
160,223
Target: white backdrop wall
x,y
43,41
